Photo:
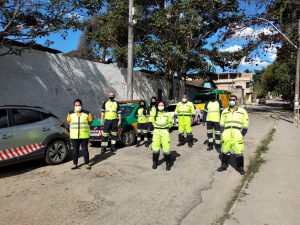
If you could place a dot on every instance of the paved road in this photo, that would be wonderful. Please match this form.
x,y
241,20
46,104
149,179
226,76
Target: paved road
x,y
123,189
273,197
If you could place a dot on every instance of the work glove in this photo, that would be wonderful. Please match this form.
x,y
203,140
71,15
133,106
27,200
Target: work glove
x,y
244,132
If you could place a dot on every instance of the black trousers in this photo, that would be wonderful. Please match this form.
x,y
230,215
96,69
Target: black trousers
x,y
110,127
75,150
211,127
142,130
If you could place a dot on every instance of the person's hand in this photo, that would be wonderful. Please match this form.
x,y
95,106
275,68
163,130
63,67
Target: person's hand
x,y
203,124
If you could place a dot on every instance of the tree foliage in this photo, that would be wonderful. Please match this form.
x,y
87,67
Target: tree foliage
x,y
25,20
171,37
279,77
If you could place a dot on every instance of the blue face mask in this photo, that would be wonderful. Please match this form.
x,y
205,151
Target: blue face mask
x,y
232,103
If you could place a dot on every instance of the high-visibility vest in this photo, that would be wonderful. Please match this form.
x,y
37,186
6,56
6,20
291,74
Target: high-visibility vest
x,y
142,118
152,113
163,120
79,125
185,109
234,119
111,108
213,111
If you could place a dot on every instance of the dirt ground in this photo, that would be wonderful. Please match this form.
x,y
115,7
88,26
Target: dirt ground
x,y
123,189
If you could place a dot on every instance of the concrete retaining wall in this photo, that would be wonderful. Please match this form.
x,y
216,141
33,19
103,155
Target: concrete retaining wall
x,y
54,81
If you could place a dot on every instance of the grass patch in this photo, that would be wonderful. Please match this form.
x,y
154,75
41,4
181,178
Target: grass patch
x,y
252,169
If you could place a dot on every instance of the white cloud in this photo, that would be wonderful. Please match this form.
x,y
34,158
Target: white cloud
x,y
74,15
254,62
250,33
233,48
271,52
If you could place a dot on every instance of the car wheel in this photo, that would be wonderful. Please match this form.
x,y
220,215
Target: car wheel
x,y
128,137
198,121
56,152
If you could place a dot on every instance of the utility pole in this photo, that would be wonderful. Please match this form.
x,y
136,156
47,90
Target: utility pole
x,y
130,53
296,104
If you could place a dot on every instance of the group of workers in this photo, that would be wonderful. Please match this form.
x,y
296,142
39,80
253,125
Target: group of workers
x,y
226,128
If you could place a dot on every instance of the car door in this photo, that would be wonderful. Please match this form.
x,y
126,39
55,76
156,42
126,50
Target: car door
x,y
6,131
30,131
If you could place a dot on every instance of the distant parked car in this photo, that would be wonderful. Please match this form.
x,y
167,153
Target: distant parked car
x,y
196,120
28,133
262,101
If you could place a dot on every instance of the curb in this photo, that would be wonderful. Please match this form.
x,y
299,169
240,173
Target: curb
x,y
286,119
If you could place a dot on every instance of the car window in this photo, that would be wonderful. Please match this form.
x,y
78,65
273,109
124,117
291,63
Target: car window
x,y
171,108
3,118
126,110
203,98
25,116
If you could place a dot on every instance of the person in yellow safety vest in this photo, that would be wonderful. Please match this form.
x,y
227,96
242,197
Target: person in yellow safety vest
x,y
152,112
184,112
79,121
142,126
211,116
110,120
234,126
162,122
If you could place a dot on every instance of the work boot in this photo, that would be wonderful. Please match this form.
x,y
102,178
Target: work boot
x,y
210,147
138,144
240,164
103,150
88,166
181,140
225,160
190,140
113,149
75,166
218,148
146,143
168,160
155,157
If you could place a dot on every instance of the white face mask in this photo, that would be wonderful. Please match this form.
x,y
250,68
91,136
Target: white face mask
x,y
184,100
161,108
77,108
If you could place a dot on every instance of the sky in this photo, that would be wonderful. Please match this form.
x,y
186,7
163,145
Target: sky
x,y
262,60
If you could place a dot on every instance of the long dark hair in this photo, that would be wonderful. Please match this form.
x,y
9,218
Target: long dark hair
x,y
145,109
157,108
153,98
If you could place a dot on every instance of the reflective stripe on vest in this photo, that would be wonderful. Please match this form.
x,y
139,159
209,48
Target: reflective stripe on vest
x,y
79,126
161,121
111,109
141,117
152,114
185,109
237,118
213,112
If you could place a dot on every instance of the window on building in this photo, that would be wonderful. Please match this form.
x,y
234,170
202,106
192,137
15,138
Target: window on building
x,y
247,84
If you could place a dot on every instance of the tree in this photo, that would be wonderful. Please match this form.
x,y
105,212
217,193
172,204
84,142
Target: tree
x,y
170,38
25,20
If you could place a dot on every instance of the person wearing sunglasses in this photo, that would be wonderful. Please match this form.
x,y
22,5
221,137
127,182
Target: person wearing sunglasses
x,y
234,126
